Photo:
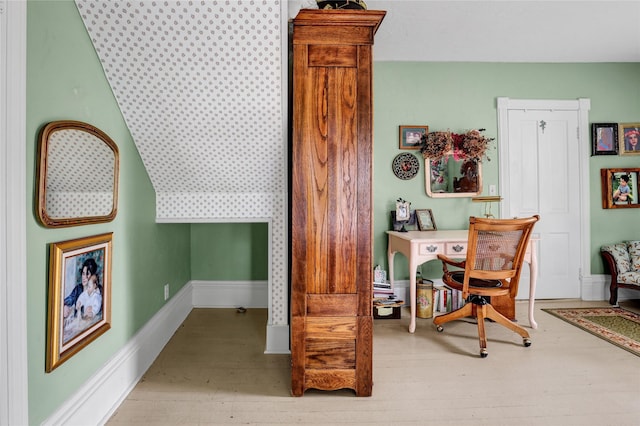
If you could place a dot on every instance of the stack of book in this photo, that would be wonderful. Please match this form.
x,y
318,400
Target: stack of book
x,y
447,299
382,289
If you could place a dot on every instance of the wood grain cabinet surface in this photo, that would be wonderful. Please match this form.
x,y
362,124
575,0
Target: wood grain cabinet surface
x,y
331,223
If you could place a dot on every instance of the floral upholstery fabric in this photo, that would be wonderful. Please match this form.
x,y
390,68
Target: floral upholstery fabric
x,y
620,253
634,254
630,277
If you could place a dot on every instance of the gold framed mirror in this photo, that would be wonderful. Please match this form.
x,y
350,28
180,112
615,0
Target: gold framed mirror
x,y
77,175
449,177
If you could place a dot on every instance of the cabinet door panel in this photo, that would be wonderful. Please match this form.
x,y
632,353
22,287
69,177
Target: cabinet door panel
x,y
342,181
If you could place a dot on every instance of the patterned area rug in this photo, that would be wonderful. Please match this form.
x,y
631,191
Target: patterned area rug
x,y
615,325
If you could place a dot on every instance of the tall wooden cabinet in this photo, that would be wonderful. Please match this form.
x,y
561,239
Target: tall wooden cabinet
x,y
331,217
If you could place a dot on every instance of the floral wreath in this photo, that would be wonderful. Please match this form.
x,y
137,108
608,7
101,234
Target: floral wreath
x,y
471,145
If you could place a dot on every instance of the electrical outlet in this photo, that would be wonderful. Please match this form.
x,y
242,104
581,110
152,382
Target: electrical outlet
x,y
492,190
166,291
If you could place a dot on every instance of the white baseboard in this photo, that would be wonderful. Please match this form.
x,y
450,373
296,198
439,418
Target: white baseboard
x,y
230,294
595,287
277,339
98,398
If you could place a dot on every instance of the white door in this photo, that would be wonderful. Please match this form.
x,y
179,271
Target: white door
x,y
543,178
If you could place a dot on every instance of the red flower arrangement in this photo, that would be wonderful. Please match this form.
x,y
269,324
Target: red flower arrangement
x,y
470,145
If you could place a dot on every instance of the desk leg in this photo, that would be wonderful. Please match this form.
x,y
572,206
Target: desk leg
x,y
533,279
390,256
412,295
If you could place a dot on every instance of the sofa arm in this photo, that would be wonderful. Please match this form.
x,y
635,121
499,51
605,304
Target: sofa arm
x,y
610,265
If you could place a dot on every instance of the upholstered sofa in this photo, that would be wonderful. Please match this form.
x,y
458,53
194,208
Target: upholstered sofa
x,y
623,262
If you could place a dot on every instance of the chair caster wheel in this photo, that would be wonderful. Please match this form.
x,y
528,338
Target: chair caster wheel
x,y
439,328
483,353
526,342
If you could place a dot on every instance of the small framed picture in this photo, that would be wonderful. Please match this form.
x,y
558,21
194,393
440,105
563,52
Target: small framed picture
x,y
79,296
410,136
406,224
403,210
620,188
425,220
629,138
604,138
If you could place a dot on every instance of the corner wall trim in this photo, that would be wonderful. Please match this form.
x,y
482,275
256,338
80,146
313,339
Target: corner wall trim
x,y
277,339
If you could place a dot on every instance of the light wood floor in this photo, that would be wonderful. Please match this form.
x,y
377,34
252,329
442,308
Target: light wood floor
x,y
214,371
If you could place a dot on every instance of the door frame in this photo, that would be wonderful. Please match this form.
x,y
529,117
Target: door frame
x,y
582,107
14,398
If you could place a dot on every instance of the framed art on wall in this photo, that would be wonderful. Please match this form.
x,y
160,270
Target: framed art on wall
x,y
629,138
410,136
620,188
79,295
425,220
604,138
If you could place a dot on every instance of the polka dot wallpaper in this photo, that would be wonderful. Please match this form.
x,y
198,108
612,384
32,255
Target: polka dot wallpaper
x,y
200,86
74,188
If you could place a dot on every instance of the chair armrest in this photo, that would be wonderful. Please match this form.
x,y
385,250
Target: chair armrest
x,y
449,261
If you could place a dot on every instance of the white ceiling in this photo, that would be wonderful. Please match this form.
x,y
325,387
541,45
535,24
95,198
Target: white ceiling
x,y
507,31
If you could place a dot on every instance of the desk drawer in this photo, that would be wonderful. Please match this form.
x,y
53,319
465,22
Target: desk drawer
x,y
430,248
456,249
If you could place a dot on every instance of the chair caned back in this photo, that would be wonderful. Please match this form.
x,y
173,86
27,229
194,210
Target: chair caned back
x,y
496,249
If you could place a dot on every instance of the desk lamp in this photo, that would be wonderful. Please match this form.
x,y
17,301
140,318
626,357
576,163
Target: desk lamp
x,y
487,203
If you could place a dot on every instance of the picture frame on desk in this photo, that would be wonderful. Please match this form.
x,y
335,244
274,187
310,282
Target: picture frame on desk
x,y
409,225
425,220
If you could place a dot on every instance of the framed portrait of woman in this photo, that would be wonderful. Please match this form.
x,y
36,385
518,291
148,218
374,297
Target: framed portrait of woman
x,y
629,138
79,295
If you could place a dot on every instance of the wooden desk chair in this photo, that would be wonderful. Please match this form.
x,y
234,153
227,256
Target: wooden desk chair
x,y
495,254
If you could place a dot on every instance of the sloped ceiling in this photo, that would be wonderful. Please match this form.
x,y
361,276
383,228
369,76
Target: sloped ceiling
x,y
199,84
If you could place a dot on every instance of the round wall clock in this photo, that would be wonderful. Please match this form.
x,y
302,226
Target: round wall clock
x,y
405,166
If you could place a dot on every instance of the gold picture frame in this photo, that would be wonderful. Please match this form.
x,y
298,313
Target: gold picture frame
x,y
425,220
629,138
79,295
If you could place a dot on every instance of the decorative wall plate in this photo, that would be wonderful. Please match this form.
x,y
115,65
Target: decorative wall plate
x,y
405,166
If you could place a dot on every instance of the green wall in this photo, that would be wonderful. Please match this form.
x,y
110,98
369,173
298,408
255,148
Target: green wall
x,y
461,96
230,252
65,81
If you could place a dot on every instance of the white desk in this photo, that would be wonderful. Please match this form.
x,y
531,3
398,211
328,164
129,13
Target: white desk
x,y
422,246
